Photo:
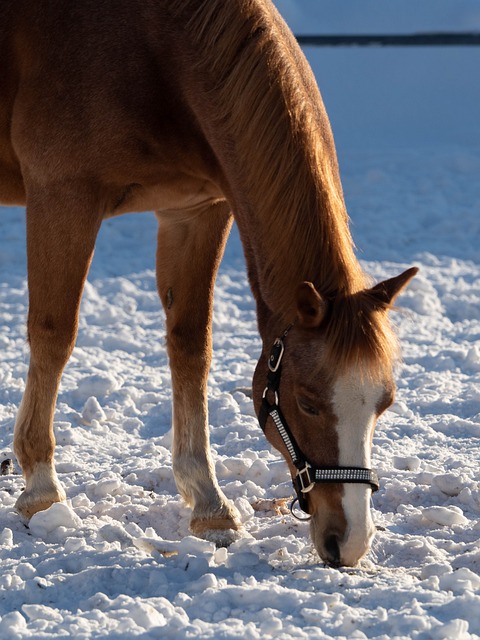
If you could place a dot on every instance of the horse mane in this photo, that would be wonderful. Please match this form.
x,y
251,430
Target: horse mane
x,y
358,335
264,100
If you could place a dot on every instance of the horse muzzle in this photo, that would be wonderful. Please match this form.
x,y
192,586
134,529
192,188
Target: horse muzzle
x,y
341,526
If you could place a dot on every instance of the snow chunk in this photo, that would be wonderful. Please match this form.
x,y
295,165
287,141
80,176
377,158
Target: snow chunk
x,y
92,411
423,298
145,616
97,385
448,483
58,515
107,487
454,629
25,571
472,360
190,546
460,580
401,409
445,516
435,569
270,623
127,610
6,538
245,509
221,555
196,546
116,533
406,463
41,612
150,545
12,623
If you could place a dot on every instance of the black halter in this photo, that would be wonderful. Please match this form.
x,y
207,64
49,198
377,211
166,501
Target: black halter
x,y
308,475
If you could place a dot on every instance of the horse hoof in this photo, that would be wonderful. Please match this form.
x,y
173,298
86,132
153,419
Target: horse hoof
x,y
221,531
222,537
28,505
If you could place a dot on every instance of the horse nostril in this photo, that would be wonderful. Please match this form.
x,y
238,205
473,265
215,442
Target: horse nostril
x,y
332,550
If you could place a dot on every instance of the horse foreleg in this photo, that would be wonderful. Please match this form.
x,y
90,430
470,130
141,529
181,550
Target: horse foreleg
x,y
189,252
61,231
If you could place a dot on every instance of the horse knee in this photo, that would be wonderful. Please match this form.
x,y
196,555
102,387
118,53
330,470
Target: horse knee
x,y
190,356
188,336
50,341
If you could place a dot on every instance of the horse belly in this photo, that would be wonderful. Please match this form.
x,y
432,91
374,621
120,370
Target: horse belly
x,y
172,194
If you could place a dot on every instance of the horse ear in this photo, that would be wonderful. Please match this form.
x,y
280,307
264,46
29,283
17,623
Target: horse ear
x,y
385,292
311,308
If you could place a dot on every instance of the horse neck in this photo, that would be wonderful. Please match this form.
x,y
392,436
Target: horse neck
x,y
264,118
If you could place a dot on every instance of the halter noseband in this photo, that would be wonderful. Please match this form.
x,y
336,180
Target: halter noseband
x,y
308,475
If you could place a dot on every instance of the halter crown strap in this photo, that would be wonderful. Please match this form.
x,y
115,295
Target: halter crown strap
x,y
308,475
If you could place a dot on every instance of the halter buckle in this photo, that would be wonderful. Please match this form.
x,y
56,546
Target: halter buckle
x,y
276,355
304,478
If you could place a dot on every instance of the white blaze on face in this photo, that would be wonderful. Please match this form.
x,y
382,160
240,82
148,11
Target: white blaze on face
x,y
355,403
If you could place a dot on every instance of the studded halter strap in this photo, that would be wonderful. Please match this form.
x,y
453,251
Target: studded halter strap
x,y
308,475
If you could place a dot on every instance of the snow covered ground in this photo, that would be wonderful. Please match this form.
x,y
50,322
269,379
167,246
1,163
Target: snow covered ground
x,y
117,560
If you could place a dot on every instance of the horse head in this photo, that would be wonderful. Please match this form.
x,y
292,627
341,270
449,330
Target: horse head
x,y
319,391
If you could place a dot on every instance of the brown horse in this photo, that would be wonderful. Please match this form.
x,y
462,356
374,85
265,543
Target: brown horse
x,y
196,109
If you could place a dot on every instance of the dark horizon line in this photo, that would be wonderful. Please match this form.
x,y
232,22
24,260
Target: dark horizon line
x,y
433,39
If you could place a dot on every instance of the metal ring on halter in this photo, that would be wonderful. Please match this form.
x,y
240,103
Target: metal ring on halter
x,y
266,390
292,505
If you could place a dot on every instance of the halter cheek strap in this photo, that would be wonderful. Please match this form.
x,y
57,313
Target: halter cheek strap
x,y
308,475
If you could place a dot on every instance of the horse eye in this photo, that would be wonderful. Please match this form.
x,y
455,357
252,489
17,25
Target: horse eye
x,y
307,407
